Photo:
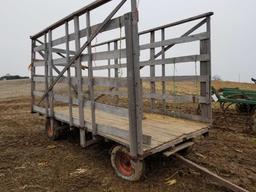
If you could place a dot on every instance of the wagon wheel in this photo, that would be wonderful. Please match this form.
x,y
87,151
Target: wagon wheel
x,y
52,129
124,166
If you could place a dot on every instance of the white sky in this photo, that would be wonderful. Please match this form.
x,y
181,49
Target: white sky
x,y
233,29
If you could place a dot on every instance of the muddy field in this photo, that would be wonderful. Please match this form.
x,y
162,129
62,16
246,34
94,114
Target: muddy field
x,y
30,162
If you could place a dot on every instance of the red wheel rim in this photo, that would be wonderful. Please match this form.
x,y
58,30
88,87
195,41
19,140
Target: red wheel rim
x,y
124,164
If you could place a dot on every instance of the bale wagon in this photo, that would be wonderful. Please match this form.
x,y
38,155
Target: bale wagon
x,y
67,86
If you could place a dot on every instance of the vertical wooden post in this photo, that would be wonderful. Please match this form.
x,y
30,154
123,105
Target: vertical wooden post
x,y
46,72
50,75
33,71
116,97
134,83
163,71
109,62
79,84
152,71
70,99
205,69
90,76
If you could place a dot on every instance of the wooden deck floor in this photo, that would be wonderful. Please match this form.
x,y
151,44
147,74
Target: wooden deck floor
x,y
162,129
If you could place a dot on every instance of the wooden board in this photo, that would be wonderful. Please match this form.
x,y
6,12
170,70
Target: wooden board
x,y
162,129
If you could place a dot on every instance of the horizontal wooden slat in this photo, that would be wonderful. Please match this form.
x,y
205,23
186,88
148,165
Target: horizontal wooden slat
x,y
38,93
113,24
115,66
112,93
112,109
105,55
176,98
38,109
38,63
62,80
56,50
187,39
183,59
104,130
202,78
110,82
182,115
116,54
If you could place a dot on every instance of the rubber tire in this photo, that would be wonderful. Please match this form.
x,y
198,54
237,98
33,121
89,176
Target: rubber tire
x,y
138,166
53,133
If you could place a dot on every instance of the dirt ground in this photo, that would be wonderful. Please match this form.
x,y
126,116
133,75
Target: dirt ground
x,y
30,162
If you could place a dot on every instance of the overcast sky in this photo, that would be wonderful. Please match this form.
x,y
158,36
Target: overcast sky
x,y
233,29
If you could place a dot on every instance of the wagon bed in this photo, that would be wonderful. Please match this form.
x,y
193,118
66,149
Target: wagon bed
x,y
159,131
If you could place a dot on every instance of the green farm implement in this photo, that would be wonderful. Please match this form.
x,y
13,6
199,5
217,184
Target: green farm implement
x,y
243,100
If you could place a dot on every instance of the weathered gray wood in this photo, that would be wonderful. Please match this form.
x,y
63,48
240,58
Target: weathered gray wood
x,y
202,78
109,67
183,115
38,78
80,51
50,74
184,59
105,55
205,69
191,38
176,142
46,69
163,69
164,27
110,82
175,60
116,72
79,85
90,77
176,98
57,97
152,70
112,109
112,93
178,148
103,130
113,24
70,99
201,16
184,35
40,110
134,90
109,62
38,63
33,71
70,17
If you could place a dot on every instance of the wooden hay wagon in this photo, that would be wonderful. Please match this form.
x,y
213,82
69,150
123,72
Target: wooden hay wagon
x,y
86,77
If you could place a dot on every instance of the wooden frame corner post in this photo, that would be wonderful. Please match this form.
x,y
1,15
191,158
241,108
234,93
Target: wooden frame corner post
x,y
205,69
134,90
